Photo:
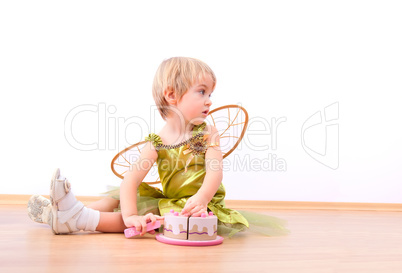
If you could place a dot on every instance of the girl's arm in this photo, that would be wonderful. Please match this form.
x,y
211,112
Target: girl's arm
x,y
128,190
198,203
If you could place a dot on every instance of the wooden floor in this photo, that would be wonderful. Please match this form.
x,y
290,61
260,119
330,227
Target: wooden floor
x,y
320,241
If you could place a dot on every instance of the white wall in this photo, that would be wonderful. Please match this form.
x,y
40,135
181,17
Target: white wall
x,y
282,61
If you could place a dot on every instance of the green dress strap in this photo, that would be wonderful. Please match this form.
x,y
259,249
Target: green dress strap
x,y
155,139
199,128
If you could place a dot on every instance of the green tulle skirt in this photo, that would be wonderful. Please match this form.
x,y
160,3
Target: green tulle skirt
x,y
149,202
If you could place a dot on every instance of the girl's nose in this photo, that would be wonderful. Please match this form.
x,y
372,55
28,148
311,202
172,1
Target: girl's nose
x,y
208,102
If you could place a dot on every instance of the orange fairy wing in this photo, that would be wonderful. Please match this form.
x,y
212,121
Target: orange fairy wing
x,y
122,161
231,122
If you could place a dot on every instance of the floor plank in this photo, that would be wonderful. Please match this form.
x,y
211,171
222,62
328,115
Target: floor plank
x,y
320,241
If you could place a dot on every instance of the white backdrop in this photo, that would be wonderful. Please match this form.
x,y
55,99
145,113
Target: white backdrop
x,y
319,79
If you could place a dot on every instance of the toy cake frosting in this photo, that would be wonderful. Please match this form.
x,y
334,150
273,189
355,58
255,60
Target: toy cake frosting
x,y
179,227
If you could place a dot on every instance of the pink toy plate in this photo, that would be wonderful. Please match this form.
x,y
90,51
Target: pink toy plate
x,y
163,239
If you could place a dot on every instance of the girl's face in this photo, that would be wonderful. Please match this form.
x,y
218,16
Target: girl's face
x,y
195,103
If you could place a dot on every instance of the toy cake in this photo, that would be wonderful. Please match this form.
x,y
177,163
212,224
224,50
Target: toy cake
x,y
179,227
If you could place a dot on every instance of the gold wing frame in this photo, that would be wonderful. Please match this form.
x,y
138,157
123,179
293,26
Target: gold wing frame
x,y
230,120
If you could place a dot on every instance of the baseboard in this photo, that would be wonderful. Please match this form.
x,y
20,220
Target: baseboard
x,y
22,199
18,199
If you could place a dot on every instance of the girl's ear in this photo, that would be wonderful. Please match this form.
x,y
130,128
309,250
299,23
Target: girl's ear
x,y
170,95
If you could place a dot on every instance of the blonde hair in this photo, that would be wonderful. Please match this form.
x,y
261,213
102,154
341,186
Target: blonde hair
x,y
179,74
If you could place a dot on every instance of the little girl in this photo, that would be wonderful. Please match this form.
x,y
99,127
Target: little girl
x,y
189,162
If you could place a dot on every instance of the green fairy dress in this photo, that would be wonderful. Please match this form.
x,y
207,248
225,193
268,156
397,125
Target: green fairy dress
x,y
181,171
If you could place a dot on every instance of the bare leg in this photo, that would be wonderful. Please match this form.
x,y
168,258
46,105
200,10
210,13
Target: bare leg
x,y
107,204
111,222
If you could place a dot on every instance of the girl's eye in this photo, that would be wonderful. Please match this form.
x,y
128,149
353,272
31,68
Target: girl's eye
x,y
202,92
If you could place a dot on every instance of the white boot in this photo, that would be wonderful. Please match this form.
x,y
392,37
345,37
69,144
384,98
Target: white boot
x,y
67,210
40,209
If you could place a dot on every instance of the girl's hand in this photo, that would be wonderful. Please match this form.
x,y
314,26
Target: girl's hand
x,y
140,222
195,206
